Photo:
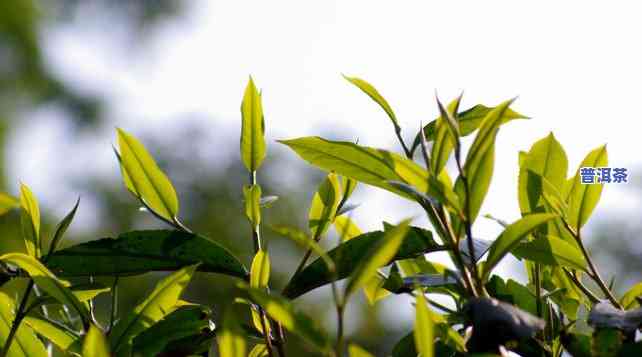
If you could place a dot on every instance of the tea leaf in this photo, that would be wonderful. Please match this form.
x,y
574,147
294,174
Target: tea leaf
x,y
551,250
252,194
584,198
424,334
26,343
469,120
147,180
511,236
356,351
346,228
7,202
62,338
190,323
368,165
324,206
372,92
260,270
259,350
61,229
252,128
160,302
139,252
95,344
30,220
351,253
377,256
446,136
48,282
230,340
629,301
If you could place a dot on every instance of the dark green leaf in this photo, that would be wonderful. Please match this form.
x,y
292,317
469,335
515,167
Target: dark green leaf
x,y
169,334
347,255
62,228
143,251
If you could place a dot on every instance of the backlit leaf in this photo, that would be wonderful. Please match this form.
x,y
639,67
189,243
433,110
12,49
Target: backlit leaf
x,y
324,206
95,344
160,302
368,165
252,194
62,338
511,236
30,220
346,228
230,339
259,350
25,343
424,334
7,202
357,351
148,181
252,128
629,301
377,256
61,228
583,198
372,92
446,137
48,282
260,270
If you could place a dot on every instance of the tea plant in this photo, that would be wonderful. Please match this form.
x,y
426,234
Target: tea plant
x,y
487,315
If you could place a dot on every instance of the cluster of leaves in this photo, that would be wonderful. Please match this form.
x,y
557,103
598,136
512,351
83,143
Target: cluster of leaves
x,y
486,314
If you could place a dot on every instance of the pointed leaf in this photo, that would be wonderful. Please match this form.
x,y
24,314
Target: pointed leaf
x,y
260,270
469,120
61,229
259,350
511,236
346,228
30,220
156,306
368,165
149,182
372,92
583,198
95,344
446,136
424,334
252,128
139,252
324,206
629,300
48,282
376,257
252,194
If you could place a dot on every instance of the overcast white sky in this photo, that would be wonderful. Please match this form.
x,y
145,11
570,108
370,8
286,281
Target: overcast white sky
x,y
574,64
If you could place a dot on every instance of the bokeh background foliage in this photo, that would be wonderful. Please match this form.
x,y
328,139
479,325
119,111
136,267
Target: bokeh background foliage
x,y
32,87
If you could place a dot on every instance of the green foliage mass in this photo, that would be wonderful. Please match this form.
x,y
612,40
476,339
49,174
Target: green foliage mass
x,y
484,316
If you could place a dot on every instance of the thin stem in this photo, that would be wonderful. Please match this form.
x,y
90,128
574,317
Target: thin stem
x,y
467,218
538,288
595,274
18,319
403,144
594,299
114,304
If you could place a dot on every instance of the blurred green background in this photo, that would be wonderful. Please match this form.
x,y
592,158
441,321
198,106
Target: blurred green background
x,y
203,164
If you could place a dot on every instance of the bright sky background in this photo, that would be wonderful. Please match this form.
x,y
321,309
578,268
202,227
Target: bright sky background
x,y
575,66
